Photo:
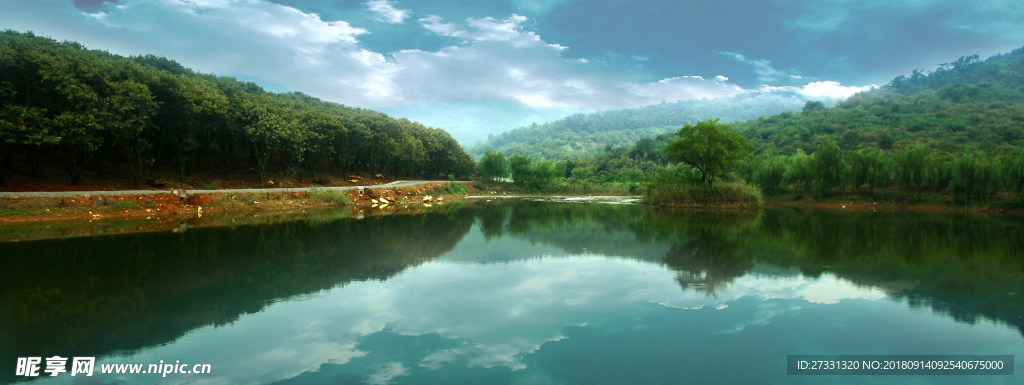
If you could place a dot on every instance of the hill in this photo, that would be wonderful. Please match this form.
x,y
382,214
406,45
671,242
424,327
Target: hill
x,y
88,112
582,135
472,121
955,134
965,104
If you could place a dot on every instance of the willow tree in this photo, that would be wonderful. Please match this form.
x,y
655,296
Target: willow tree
x,y
711,148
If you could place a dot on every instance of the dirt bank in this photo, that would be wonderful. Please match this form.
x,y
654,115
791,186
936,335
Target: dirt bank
x,y
20,210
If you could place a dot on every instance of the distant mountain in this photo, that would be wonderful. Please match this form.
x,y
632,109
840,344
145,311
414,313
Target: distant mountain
x,y
582,135
472,120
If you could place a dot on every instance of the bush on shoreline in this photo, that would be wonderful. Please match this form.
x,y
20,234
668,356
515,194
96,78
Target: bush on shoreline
x,y
725,194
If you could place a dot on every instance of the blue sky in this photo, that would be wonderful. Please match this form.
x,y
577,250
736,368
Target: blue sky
x,y
555,54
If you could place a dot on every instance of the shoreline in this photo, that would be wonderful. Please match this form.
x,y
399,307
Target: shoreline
x,y
22,210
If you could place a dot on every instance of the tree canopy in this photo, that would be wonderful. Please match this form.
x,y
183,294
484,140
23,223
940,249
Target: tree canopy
x,y
711,148
91,110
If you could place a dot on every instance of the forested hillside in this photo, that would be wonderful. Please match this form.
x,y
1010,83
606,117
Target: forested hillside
x,y
957,130
956,133
582,135
968,103
67,107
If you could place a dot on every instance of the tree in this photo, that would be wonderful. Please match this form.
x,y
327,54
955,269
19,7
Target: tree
x,y
711,148
519,168
973,176
828,169
917,167
493,165
1015,175
768,173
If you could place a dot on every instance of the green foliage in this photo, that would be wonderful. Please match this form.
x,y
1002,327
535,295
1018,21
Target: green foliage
x,y
828,169
968,101
327,196
123,205
683,194
973,176
798,170
917,168
871,167
492,165
768,173
1015,175
453,188
537,176
519,168
711,148
89,108
581,136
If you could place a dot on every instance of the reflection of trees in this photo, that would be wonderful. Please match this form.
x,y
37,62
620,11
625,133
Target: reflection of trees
x,y
707,248
958,265
963,266
93,296
573,227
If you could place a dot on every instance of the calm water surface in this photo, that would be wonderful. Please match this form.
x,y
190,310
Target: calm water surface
x,y
521,292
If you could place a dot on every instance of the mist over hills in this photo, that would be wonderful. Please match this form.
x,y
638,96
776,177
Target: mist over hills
x,y
581,135
472,120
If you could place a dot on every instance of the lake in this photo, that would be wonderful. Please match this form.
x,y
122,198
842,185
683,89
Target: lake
x,y
520,291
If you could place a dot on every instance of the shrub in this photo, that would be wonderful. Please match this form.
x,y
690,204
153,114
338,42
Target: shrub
x,y
695,195
323,195
452,188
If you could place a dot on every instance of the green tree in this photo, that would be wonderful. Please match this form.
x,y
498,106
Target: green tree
x,y
973,176
493,165
917,167
519,168
711,148
828,169
768,173
870,166
1015,175
798,170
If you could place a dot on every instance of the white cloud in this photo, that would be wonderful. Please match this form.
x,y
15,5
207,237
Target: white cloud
x,y
829,89
497,316
507,30
763,67
387,12
387,373
434,24
497,59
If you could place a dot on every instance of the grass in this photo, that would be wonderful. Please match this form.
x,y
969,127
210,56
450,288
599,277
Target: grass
x,y
453,188
730,194
324,196
123,205
22,211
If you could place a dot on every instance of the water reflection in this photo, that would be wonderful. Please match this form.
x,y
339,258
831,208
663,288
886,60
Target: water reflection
x,y
507,292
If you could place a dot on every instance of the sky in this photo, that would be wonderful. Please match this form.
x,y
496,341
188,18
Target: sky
x,y
548,55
